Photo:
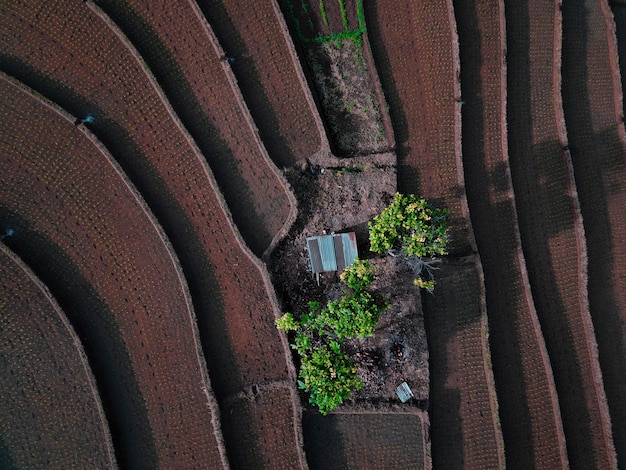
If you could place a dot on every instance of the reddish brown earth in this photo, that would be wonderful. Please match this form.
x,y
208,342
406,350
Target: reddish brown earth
x,y
592,100
269,446
231,290
552,232
72,211
188,63
494,218
416,59
464,408
50,411
366,441
269,77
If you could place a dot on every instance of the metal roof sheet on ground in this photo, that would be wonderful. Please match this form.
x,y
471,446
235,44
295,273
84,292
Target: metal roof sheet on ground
x,y
331,252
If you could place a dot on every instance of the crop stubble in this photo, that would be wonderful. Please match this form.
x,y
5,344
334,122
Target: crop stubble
x,y
416,57
530,416
65,189
592,100
366,440
186,60
50,410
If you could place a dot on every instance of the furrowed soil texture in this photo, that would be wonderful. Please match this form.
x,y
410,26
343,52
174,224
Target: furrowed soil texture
x,y
339,64
88,235
50,410
343,441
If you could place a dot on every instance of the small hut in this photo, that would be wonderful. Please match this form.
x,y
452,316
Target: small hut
x,y
332,252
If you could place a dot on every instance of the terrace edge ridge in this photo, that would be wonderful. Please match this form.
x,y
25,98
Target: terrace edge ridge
x,y
579,230
75,340
232,80
208,390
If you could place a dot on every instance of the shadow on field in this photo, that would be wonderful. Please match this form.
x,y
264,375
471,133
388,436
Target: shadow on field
x,y
444,319
180,94
599,168
495,231
408,176
198,271
324,447
248,76
98,331
7,462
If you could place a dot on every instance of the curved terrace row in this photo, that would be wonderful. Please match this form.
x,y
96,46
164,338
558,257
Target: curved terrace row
x,y
594,115
551,229
182,52
235,306
264,60
417,58
48,386
83,229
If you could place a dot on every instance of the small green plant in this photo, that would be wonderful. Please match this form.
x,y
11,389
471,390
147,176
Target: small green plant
x,y
327,372
410,228
323,12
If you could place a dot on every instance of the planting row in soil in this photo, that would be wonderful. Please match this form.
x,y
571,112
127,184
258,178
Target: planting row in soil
x,y
463,407
592,101
366,440
50,411
551,229
416,57
530,416
276,440
263,58
79,224
231,290
181,51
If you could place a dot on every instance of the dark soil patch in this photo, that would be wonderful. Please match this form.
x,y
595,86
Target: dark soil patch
x,y
341,200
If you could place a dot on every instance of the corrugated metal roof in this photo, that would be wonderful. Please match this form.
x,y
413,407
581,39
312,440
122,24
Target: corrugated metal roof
x,y
332,252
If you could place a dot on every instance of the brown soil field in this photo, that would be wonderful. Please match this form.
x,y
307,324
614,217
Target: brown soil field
x,y
270,77
261,408
552,232
426,119
50,410
592,100
362,441
464,410
529,412
186,60
423,103
232,293
79,224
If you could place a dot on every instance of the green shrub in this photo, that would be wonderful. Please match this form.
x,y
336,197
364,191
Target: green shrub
x,y
326,371
410,225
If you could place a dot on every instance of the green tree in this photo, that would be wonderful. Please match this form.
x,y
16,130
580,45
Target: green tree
x,y
413,230
327,371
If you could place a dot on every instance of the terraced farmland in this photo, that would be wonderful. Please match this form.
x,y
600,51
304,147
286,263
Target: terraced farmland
x,y
254,35
143,148
366,440
118,282
552,232
181,50
42,360
592,100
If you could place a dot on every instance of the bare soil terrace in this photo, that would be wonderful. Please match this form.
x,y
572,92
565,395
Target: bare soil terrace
x,y
42,359
183,53
118,281
235,307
